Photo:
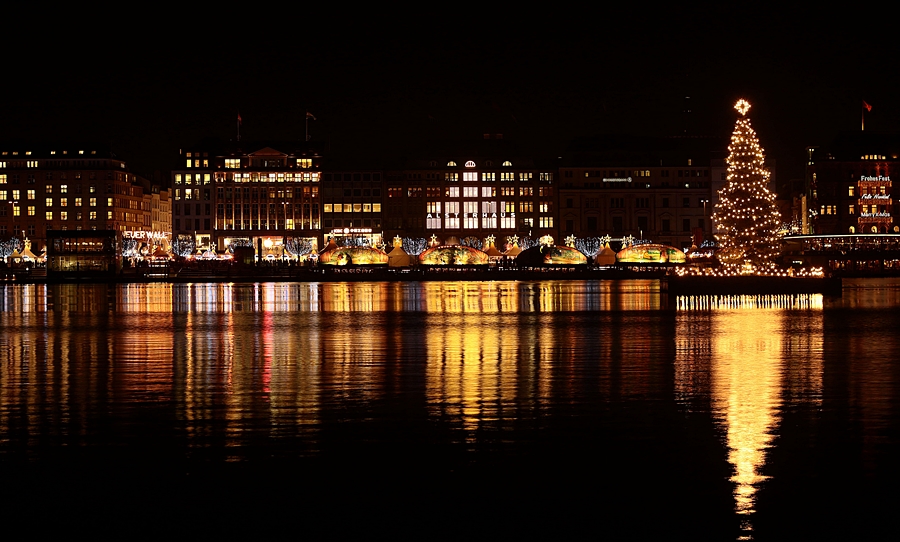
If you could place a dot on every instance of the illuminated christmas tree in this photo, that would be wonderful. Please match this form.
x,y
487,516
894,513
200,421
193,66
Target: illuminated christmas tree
x,y
746,216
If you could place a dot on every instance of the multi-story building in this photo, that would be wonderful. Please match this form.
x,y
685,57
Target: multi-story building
x,y
256,192
658,189
352,203
488,188
74,187
850,185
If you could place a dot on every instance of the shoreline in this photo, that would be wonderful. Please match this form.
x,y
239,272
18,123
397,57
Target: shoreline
x,y
669,284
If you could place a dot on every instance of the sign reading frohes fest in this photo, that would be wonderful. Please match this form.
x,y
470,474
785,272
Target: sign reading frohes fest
x,y
879,196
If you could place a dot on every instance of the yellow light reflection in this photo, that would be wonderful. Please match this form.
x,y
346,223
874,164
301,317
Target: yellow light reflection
x,y
740,366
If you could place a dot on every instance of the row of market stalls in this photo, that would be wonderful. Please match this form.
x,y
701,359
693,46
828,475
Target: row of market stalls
x,y
452,253
26,256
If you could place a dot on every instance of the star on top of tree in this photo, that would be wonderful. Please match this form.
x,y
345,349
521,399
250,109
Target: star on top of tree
x,y
742,106
570,241
490,239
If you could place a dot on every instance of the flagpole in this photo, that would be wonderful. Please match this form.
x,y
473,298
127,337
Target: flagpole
x,y
239,127
308,116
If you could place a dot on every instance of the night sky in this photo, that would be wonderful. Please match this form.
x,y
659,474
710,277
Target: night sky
x,y
378,89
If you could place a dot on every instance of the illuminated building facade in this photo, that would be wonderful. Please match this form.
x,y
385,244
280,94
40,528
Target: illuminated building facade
x,y
657,189
850,184
257,193
70,187
352,204
472,190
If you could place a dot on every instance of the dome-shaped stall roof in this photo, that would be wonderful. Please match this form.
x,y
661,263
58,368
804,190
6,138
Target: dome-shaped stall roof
x,y
353,256
551,255
650,253
453,255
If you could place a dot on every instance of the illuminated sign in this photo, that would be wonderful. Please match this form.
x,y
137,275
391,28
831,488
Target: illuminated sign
x,y
345,231
146,234
616,180
875,196
884,178
875,215
470,215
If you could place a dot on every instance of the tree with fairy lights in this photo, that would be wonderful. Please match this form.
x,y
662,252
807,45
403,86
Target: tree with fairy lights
x,y
746,217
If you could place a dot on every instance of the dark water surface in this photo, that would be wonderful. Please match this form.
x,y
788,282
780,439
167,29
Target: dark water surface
x,y
447,410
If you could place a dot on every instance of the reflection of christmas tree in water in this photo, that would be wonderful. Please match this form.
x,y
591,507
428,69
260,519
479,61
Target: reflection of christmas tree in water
x,y
746,216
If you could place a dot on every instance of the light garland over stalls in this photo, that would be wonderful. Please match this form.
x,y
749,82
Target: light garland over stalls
x,y
746,214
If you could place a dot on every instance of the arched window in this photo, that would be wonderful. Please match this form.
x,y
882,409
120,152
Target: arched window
x,y
470,164
451,163
507,163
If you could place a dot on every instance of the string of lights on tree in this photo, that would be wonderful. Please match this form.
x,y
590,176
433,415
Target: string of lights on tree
x,y
746,215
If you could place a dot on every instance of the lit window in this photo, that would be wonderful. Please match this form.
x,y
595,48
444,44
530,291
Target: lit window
x,y
189,163
31,210
451,163
451,177
16,210
16,194
850,191
48,202
470,191
63,215
93,202
470,163
63,188
48,215
326,208
31,194
470,176
852,209
48,189
376,207
305,163
546,222
488,177
31,163
507,163
232,163
3,176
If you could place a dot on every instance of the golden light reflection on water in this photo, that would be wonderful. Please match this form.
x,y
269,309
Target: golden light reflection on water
x,y
737,359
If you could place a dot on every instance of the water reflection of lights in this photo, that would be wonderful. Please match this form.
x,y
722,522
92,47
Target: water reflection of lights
x,y
740,361
718,302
